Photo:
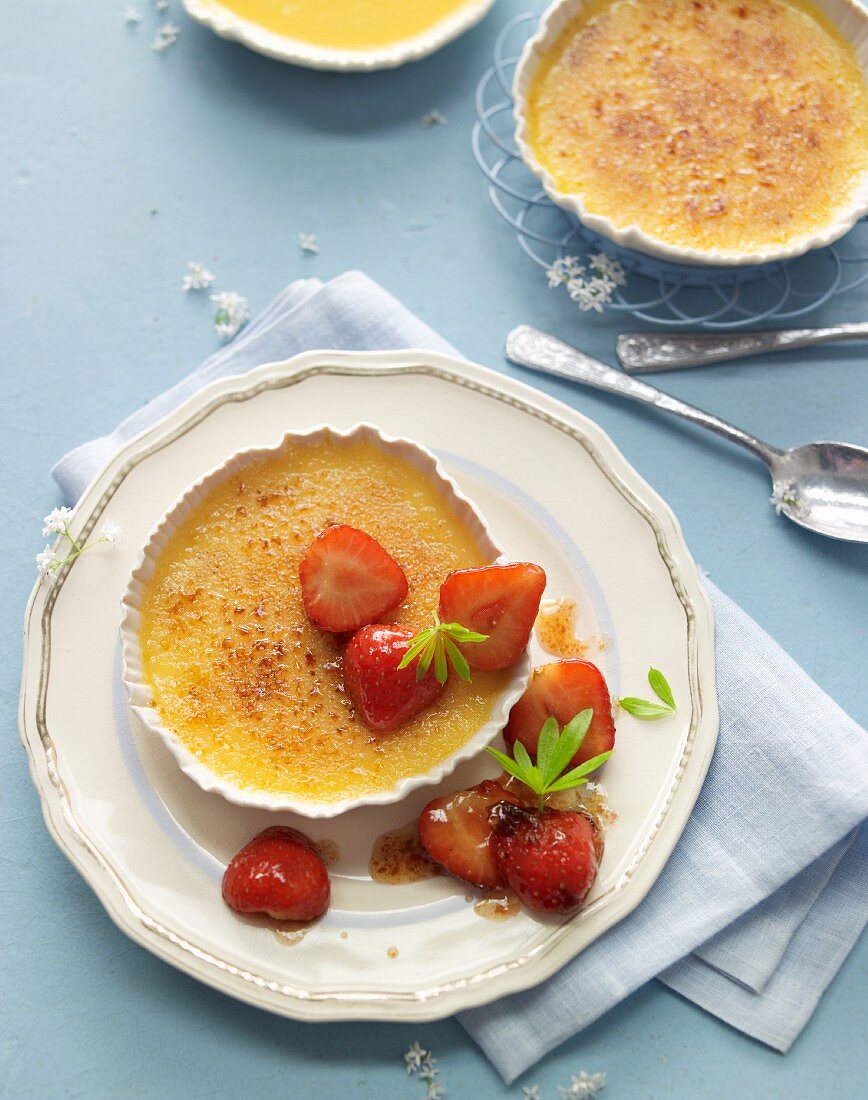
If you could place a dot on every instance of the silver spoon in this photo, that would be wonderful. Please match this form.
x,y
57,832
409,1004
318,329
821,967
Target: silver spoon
x,y
821,486
646,352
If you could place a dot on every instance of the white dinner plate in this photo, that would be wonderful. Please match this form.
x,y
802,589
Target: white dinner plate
x,y
153,845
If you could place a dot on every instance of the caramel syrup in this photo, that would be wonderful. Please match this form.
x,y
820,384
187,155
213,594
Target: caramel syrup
x,y
290,933
556,631
398,857
328,851
497,905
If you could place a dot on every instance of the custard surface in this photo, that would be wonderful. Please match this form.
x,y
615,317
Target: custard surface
x,y
715,124
345,24
239,674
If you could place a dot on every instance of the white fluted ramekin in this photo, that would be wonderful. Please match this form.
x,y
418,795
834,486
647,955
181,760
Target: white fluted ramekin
x,y
227,24
141,696
847,16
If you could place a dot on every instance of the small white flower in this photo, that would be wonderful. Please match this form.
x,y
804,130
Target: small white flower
x,y
166,36
56,521
198,276
131,15
435,1091
583,294
604,284
427,1070
609,267
784,497
584,1086
433,118
564,269
232,313
414,1057
588,292
307,242
531,1092
45,562
109,532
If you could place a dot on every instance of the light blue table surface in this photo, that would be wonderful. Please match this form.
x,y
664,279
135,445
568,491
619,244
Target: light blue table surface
x,y
238,154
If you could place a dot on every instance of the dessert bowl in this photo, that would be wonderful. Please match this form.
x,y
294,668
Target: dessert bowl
x,y
846,17
174,530
228,24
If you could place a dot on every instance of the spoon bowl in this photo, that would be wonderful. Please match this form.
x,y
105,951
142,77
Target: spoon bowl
x,y
821,486
824,487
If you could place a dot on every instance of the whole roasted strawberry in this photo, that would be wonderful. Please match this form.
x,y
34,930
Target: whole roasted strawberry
x,y
279,873
384,695
549,859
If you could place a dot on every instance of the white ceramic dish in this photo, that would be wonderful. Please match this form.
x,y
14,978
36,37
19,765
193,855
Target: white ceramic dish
x,y
142,697
227,24
851,20
153,844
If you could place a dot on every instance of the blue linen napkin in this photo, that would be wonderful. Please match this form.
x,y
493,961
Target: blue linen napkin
x,y
767,890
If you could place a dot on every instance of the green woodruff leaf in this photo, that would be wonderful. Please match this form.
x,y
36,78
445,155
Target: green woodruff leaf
x,y
555,749
439,643
644,708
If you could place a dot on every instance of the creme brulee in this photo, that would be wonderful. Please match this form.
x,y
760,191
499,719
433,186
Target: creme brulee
x,y
730,125
345,24
237,670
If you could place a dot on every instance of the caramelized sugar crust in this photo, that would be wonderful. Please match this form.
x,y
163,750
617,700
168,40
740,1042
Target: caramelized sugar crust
x,y
728,124
249,685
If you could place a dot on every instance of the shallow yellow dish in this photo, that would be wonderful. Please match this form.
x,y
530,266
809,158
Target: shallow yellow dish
x,y
346,24
340,34
731,127
248,689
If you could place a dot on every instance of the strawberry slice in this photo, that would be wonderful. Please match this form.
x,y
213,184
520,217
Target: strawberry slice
x,y
348,580
501,601
456,833
561,690
550,859
279,873
384,695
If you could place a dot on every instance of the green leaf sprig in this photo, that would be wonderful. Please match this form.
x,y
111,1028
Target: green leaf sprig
x,y
555,749
439,644
644,708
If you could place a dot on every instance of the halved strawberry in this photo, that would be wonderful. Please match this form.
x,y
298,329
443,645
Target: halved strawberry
x,y
384,695
280,873
456,832
501,601
348,580
561,690
550,859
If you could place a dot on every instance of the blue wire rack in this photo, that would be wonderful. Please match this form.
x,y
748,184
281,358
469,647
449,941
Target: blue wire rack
x,y
656,292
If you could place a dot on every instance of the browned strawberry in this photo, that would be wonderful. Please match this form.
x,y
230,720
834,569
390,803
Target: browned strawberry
x,y
501,601
550,859
561,690
384,695
456,832
279,873
348,580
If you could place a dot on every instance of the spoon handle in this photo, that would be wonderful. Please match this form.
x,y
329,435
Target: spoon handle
x,y
650,351
528,347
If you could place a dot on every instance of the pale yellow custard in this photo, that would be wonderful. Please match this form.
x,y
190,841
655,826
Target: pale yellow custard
x,y
731,125
237,671
346,24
